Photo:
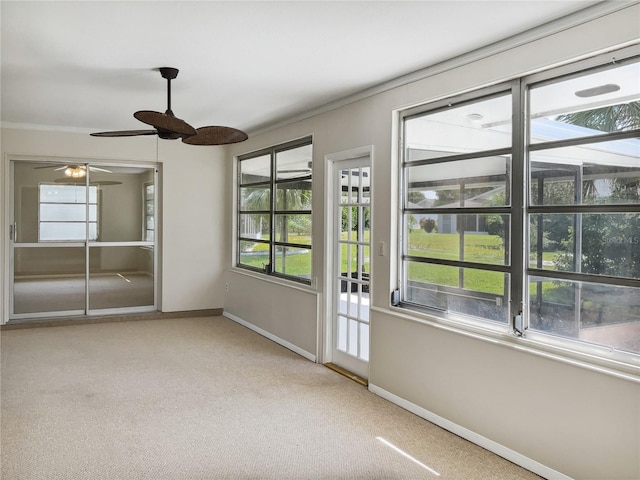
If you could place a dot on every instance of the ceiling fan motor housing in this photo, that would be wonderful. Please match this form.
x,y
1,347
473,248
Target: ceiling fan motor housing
x,y
168,135
168,72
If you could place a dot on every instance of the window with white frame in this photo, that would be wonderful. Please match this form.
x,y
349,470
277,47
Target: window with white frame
x,y
274,216
522,201
63,211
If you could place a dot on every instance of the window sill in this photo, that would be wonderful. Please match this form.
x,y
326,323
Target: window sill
x,y
615,368
303,287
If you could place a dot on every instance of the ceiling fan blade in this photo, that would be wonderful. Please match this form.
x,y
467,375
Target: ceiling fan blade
x,y
165,121
56,167
124,133
215,135
96,169
75,181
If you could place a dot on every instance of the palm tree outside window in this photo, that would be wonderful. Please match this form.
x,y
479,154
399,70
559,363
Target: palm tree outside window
x,y
274,211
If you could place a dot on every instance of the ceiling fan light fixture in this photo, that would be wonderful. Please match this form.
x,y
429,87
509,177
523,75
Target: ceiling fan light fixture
x,y
75,172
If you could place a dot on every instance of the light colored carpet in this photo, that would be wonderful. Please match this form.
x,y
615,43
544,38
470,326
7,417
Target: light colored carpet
x,y
205,398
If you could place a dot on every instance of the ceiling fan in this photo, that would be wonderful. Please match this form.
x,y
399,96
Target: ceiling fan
x,y
74,171
169,127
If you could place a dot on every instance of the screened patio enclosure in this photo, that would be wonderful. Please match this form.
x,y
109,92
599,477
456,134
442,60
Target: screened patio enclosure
x,y
604,173
567,189
592,194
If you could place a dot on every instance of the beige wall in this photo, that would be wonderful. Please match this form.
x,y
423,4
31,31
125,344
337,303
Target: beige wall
x,y
193,226
581,423
559,418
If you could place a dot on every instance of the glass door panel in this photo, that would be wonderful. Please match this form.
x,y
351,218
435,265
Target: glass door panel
x,y
49,279
121,260
44,208
120,277
127,203
352,250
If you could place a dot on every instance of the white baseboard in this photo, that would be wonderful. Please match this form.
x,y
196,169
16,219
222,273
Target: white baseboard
x,y
270,336
501,450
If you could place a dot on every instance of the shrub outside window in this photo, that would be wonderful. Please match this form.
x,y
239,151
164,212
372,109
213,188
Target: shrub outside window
x,y
533,213
274,211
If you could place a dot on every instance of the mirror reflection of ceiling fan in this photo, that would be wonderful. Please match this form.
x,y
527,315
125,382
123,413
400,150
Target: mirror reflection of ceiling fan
x,y
75,171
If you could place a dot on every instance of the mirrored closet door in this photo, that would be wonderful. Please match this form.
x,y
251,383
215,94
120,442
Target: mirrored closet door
x,y
82,239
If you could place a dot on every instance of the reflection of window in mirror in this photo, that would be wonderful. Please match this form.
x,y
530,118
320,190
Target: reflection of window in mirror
x,y
62,212
149,214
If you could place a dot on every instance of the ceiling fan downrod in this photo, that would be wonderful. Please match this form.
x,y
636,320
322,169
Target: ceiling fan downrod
x,y
169,73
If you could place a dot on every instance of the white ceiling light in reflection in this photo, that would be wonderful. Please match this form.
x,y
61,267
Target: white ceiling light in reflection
x,y
599,90
75,172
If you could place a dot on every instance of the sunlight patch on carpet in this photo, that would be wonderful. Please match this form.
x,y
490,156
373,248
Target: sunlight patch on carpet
x,y
406,455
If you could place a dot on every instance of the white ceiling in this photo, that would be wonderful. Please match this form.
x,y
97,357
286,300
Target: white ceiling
x,y
88,65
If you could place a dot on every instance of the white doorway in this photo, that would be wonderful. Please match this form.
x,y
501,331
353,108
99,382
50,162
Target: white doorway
x,y
347,329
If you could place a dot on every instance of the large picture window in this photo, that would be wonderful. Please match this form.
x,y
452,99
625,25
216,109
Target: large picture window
x,y
521,208
274,211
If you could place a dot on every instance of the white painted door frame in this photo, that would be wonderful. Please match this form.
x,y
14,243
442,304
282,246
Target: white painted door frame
x,y
332,165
